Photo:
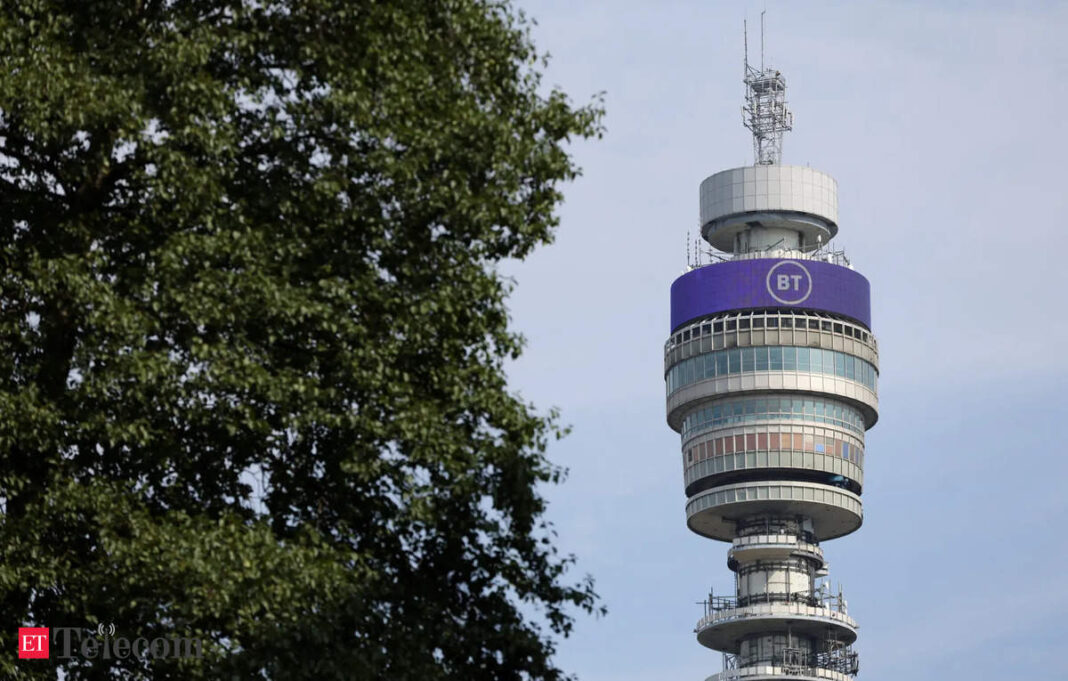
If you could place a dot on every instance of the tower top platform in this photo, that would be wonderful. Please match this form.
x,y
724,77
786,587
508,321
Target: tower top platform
x,y
778,198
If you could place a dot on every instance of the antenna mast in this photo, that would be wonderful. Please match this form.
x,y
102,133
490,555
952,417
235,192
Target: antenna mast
x,y
765,112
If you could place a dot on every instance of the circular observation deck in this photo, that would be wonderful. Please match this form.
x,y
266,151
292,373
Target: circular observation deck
x,y
834,512
723,630
798,360
827,466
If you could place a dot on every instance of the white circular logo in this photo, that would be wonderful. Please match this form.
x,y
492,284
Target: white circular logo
x,y
789,282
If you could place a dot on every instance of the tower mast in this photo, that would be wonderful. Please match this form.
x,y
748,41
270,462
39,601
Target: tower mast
x,y
765,112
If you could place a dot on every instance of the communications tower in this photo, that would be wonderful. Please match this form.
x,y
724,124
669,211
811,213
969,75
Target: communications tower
x,y
771,373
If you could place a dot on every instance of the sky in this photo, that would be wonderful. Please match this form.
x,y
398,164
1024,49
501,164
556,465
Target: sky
x,y
945,125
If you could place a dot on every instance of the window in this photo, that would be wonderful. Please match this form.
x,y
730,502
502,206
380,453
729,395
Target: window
x,y
770,358
721,363
761,353
769,319
755,410
789,358
775,358
734,361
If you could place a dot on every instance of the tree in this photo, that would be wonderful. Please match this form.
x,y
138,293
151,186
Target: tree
x,y
252,336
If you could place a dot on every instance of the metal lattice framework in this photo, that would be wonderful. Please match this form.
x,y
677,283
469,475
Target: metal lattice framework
x,y
765,112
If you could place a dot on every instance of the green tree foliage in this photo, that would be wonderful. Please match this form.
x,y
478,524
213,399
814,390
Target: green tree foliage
x,y
252,336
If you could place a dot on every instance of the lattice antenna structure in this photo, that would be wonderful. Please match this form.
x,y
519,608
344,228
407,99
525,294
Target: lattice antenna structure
x,y
765,112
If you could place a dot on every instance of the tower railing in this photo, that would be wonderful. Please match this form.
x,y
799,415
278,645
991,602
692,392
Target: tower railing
x,y
716,604
837,257
796,662
772,608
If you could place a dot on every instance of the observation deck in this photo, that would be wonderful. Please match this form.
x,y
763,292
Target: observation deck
x,y
723,628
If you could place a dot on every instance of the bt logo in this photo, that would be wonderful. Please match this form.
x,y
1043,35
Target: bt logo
x,y
789,282
33,642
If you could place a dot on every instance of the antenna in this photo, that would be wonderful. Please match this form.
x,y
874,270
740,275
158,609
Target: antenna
x,y
765,112
745,42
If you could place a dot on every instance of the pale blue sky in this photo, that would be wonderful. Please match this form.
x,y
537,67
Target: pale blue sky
x,y
945,126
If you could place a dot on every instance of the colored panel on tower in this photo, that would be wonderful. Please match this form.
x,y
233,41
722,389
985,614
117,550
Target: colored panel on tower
x,y
770,283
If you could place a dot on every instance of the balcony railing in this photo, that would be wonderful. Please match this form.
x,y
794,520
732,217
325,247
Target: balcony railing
x,y
835,257
725,613
795,661
717,603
